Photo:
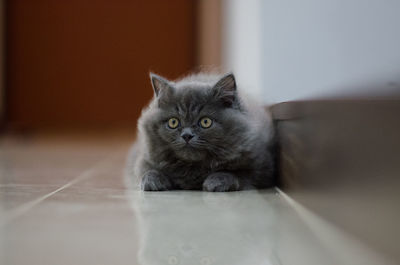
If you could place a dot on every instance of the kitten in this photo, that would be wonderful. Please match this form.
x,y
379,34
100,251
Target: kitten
x,y
201,133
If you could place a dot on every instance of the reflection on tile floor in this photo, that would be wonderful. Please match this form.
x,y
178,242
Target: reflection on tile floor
x,y
63,201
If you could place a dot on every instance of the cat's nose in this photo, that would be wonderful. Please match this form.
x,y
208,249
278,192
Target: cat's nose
x,y
187,135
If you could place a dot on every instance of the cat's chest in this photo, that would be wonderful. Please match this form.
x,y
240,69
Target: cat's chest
x,y
186,171
186,175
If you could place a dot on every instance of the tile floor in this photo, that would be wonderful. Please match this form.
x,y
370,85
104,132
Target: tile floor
x,y
63,200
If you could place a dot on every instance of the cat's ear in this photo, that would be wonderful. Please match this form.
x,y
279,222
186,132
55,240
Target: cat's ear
x,y
159,84
225,90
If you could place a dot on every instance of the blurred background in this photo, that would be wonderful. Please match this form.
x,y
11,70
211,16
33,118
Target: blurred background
x,y
86,63
74,76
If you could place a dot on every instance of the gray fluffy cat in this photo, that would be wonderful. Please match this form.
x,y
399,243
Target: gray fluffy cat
x,y
201,133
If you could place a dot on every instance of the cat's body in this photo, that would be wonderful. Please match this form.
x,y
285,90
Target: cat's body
x,y
201,133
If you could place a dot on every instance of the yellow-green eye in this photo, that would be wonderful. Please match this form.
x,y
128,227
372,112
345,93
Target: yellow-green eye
x,y
206,122
173,123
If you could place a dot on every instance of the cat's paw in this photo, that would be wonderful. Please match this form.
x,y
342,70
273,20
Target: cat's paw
x,y
221,181
155,181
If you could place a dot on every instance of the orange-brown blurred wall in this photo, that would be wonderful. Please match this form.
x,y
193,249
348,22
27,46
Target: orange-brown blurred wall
x,y
83,63
2,60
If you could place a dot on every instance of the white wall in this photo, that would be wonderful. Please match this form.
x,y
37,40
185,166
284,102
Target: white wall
x,y
313,48
242,42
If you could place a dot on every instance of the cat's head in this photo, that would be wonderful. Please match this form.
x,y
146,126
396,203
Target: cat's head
x,y
197,118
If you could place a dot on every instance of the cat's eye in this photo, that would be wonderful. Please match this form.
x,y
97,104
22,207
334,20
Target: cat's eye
x,y
206,122
173,123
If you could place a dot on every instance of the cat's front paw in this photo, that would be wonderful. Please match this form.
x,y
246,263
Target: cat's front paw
x,y
221,181
155,181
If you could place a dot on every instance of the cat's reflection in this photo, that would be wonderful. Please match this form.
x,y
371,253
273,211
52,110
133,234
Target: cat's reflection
x,y
204,228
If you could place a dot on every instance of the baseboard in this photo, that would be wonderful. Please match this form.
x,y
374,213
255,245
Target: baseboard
x,y
341,159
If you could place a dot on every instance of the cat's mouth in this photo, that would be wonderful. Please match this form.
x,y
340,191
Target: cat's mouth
x,y
190,144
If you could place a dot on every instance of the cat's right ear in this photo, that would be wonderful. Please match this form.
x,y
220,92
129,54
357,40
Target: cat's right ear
x,y
159,83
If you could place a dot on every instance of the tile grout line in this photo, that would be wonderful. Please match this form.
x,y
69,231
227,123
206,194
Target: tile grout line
x,y
29,205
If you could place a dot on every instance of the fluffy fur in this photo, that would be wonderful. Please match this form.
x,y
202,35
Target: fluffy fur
x,y
234,153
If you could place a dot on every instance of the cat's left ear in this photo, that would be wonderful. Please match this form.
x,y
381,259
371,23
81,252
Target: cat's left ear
x,y
225,90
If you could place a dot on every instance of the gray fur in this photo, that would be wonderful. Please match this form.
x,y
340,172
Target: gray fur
x,y
233,154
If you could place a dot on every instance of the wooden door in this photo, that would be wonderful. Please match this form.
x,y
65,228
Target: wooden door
x,y
86,62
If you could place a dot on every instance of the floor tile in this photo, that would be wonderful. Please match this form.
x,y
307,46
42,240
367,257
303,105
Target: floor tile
x,y
70,205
